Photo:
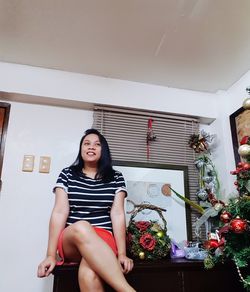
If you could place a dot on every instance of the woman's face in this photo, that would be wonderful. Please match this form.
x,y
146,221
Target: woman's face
x,y
91,148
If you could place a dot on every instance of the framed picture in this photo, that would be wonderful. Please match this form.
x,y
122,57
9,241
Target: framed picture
x,y
149,183
240,127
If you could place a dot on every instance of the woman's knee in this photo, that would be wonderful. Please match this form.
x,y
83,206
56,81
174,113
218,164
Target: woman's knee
x,y
81,230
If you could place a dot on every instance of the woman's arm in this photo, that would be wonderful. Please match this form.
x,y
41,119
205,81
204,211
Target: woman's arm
x,y
57,223
119,230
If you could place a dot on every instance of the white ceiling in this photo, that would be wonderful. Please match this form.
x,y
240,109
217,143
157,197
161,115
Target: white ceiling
x,y
190,44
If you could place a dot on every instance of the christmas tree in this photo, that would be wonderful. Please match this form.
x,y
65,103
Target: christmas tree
x,y
232,239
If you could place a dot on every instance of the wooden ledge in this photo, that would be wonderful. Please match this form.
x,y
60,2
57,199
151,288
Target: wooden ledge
x,y
164,264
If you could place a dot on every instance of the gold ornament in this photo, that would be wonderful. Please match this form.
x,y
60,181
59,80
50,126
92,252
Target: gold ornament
x,y
141,255
244,150
246,103
218,207
160,234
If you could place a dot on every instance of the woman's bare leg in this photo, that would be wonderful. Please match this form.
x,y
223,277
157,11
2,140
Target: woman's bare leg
x,y
88,280
81,241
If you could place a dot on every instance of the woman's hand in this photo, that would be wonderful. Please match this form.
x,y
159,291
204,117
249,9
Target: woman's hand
x,y
127,264
46,267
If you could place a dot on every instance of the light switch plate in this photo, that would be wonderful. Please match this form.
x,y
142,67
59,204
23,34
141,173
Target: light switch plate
x,y
44,166
28,163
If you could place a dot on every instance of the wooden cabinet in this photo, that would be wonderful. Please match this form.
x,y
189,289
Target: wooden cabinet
x,y
178,275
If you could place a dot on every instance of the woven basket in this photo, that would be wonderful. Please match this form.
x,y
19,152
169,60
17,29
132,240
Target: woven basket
x,y
147,240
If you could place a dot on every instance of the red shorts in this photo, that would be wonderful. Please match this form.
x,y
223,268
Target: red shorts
x,y
103,233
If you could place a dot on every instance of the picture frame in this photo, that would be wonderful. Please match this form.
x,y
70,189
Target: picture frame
x,y
146,183
240,127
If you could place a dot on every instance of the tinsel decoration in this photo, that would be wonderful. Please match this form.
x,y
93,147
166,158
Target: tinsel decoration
x,y
208,179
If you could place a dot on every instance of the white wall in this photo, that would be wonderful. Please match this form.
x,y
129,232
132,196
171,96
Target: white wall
x,y
26,198
223,157
93,89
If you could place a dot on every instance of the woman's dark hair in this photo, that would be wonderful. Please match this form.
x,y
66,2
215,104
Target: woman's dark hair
x,y
105,170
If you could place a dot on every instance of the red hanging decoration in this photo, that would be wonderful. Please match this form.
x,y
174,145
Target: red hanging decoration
x,y
238,225
225,217
150,135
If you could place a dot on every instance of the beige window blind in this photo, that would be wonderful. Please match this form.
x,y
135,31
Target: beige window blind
x,y
126,132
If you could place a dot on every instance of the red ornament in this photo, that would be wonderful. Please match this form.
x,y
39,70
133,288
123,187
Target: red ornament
x,y
246,166
238,225
225,217
211,243
245,140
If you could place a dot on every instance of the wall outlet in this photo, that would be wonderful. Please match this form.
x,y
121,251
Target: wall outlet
x,y
44,166
28,163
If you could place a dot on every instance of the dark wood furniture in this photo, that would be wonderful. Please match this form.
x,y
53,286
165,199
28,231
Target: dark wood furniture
x,y
176,275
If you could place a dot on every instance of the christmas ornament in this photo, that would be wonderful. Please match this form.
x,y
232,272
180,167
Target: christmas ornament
x,y
244,150
245,140
207,179
246,102
246,166
199,163
211,243
243,178
225,217
200,142
218,206
208,262
202,194
238,225
141,255
160,234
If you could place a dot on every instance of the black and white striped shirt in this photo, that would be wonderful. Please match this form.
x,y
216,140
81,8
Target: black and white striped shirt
x,y
90,199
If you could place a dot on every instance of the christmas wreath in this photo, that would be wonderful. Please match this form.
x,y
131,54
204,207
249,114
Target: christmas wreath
x,y
147,240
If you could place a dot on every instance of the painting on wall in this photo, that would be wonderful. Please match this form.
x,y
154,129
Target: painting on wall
x,y
240,127
149,183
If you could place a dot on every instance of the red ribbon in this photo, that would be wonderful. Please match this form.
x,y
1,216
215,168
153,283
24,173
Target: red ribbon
x,y
150,136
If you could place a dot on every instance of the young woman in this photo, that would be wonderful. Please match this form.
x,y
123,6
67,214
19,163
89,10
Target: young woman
x,y
87,224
